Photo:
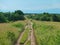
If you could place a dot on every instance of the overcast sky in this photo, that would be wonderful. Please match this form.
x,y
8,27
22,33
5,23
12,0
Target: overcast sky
x,y
10,5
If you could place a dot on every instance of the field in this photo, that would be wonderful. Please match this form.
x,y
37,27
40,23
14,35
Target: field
x,y
9,32
47,33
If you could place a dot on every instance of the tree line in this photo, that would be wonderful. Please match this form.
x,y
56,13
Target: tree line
x,y
19,15
11,16
45,17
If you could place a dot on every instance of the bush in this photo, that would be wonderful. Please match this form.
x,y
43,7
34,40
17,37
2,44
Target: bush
x,y
46,17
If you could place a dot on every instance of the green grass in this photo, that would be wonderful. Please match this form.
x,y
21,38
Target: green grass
x,y
47,33
18,25
28,43
9,33
25,36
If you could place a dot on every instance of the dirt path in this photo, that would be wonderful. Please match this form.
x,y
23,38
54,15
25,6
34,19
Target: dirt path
x,y
20,36
31,36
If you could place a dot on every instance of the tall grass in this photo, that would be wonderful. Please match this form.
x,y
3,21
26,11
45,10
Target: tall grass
x,y
8,32
47,33
18,25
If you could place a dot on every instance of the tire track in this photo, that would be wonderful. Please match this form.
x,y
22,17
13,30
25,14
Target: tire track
x,y
20,36
31,35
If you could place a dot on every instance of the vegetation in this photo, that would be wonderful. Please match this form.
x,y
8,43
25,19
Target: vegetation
x,y
11,36
46,27
28,43
45,17
47,33
14,16
25,36
9,33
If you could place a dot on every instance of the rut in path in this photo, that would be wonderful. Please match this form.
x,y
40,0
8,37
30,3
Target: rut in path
x,y
28,38
33,42
20,36
31,34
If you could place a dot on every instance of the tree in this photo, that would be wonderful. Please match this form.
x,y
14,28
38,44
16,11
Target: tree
x,y
19,12
2,18
55,18
19,15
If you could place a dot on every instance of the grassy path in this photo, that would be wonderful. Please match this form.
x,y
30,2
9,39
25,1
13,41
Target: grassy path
x,y
31,36
20,36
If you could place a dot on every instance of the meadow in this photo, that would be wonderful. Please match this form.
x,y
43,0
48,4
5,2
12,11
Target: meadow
x,y
9,32
47,33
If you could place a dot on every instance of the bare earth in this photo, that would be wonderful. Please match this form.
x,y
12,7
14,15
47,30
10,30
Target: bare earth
x,y
32,35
